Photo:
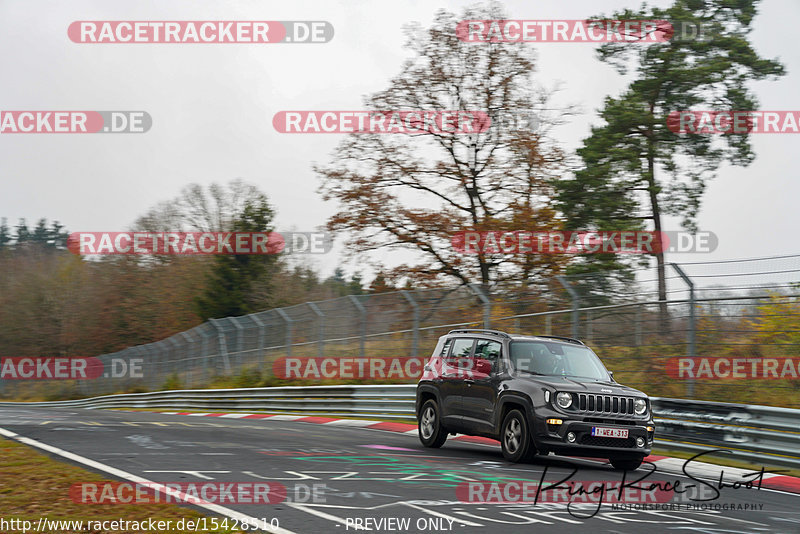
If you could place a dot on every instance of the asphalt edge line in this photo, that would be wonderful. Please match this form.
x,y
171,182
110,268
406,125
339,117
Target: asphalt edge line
x,y
113,471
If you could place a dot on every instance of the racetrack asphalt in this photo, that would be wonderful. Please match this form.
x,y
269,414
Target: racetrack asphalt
x,y
382,481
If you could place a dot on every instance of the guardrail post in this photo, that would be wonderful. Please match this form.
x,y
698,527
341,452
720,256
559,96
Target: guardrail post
x,y
223,346
691,350
478,289
575,305
415,323
289,327
320,328
363,323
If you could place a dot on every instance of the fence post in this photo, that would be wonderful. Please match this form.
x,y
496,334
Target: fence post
x,y
223,346
175,364
160,358
320,328
362,311
206,356
239,343
638,331
261,342
478,289
691,349
415,323
189,361
589,330
151,367
289,327
575,305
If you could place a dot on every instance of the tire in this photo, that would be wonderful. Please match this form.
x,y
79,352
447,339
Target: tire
x,y
515,437
626,464
431,433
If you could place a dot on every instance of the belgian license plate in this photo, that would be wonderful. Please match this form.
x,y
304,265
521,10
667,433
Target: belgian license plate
x,y
602,432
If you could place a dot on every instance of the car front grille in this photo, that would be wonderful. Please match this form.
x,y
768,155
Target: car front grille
x,y
605,404
607,442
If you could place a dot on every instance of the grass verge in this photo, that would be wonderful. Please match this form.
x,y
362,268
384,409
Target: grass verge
x,y
33,485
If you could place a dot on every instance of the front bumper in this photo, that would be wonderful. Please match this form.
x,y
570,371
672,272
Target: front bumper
x,y
554,437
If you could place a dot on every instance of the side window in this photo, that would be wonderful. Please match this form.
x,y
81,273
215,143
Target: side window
x,y
461,348
488,350
446,348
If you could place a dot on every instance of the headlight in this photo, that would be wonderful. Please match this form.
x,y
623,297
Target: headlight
x,y
639,406
564,400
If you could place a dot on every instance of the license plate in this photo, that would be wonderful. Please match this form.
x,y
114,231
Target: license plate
x,y
602,432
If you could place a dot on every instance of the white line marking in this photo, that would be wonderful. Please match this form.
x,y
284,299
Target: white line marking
x,y
443,516
113,471
351,422
235,415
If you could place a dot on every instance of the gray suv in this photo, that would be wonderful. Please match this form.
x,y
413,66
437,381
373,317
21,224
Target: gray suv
x,y
534,394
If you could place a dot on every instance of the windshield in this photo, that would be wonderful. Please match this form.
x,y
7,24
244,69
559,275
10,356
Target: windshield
x,y
557,359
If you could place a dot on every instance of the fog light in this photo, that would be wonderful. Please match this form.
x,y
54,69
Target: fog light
x,y
571,437
640,442
554,421
650,428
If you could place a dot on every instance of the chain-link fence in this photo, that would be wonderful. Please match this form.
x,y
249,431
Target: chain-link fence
x,y
740,310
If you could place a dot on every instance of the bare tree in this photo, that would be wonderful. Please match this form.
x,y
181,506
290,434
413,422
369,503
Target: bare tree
x,y
412,192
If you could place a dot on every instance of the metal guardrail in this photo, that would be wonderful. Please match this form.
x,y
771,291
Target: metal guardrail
x,y
390,401
760,434
757,434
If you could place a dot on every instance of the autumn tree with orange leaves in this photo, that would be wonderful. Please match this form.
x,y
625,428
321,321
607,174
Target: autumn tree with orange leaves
x,y
412,192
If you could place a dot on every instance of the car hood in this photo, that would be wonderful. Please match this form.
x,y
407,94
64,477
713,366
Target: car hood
x,y
582,385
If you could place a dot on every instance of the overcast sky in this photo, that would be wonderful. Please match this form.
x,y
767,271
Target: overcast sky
x,y
212,108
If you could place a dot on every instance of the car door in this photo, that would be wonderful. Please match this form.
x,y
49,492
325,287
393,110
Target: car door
x,y
479,396
452,384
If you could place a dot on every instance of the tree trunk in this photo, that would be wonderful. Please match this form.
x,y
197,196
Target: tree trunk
x,y
660,263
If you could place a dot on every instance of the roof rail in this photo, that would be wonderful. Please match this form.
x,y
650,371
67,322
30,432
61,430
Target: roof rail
x,y
498,333
567,339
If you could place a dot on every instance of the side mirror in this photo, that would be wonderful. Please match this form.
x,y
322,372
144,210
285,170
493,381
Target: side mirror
x,y
611,374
